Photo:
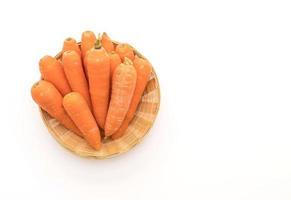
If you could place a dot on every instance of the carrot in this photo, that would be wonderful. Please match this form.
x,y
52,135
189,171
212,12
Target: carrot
x,y
106,42
143,69
114,61
75,74
52,70
125,50
49,99
123,84
87,42
71,44
79,111
98,66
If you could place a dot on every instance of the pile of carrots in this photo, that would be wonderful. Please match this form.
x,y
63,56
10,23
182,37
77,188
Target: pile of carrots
x,y
95,86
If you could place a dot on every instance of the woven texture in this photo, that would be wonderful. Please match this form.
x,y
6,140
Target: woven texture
x,y
138,128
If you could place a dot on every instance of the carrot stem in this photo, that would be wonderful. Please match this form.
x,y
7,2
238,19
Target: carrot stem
x,y
127,61
98,44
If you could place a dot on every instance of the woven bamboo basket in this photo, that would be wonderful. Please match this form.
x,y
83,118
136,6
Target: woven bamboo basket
x,y
138,128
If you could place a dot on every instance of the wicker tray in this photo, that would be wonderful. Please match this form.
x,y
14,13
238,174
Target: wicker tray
x,y
138,128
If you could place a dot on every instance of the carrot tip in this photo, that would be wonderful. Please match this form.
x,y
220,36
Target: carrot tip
x,y
69,39
35,85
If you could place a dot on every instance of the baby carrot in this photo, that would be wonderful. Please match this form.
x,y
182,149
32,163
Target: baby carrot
x,y
79,111
73,68
49,99
52,70
106,42
125,50
143,69
123,84
98,66
71,44
114,61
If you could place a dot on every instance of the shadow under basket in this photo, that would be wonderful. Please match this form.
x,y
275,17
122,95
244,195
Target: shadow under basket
x,y
138,128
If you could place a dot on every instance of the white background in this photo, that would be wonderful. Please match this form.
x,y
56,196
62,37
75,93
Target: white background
x,y
224,126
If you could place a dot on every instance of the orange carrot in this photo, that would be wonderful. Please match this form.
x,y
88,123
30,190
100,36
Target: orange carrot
x,y
79,111
52,70
49,99
106,42
143,70
75,74
114,61
98,66
123,84
125,50
87,42
71,44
